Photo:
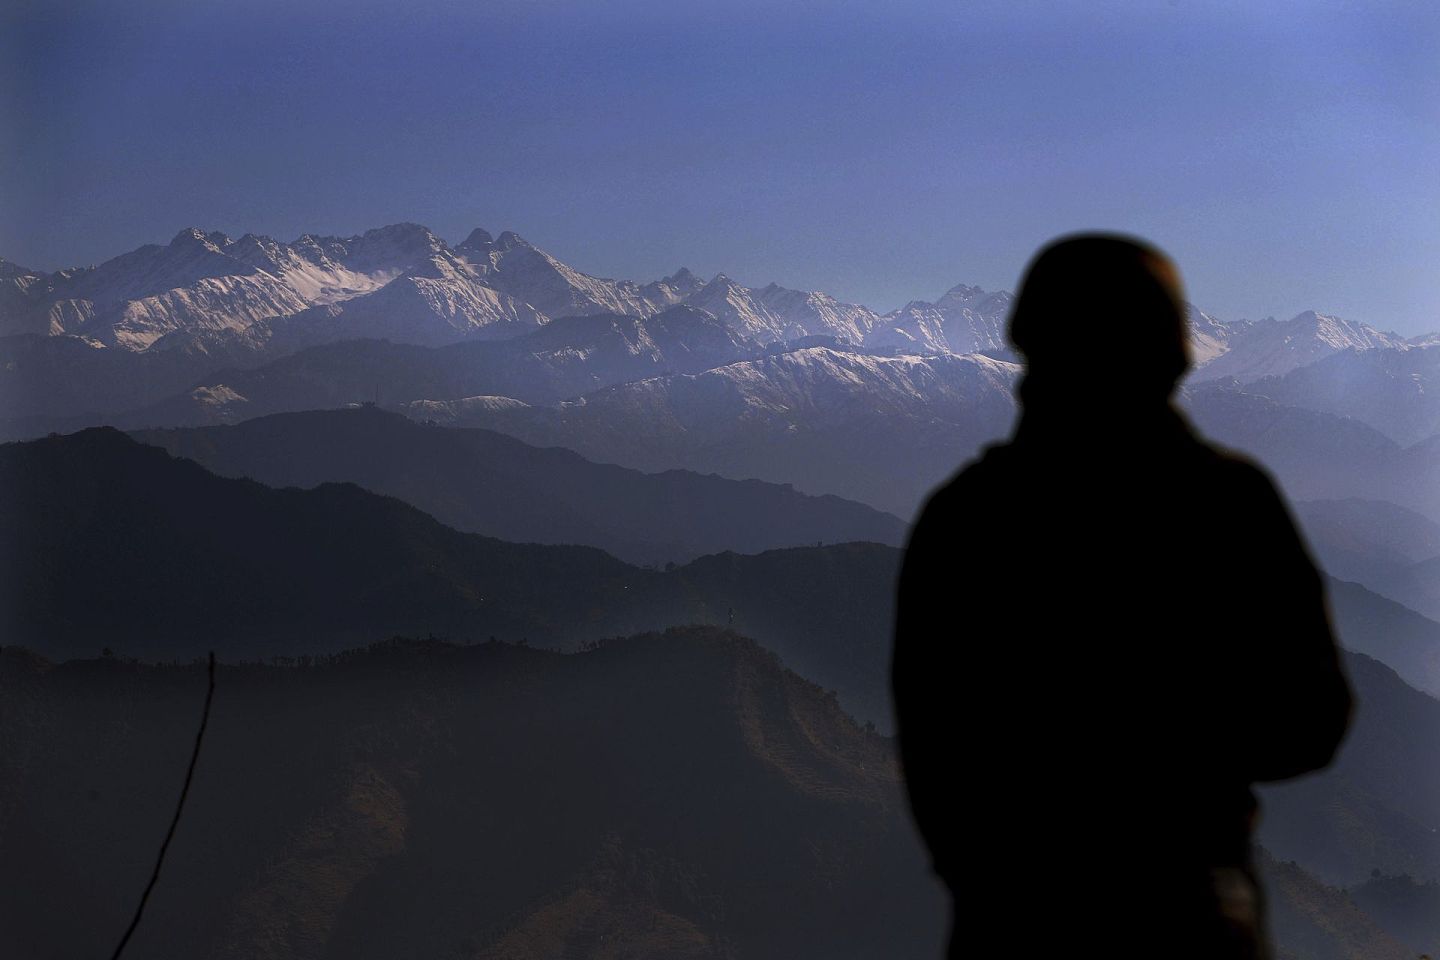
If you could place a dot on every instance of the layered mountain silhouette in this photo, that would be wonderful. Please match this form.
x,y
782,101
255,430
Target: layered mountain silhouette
x,y
1368,541
662,796
113,543
484,482
1318,455
1391,632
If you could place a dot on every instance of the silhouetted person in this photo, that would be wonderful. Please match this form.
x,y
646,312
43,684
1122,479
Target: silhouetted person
x,y
1107,631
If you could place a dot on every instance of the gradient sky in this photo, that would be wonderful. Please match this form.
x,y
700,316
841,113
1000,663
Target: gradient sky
x,y
1285,153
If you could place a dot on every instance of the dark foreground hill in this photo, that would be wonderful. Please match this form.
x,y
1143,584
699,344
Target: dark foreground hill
x,y
662,796
485,482
668,796
112,543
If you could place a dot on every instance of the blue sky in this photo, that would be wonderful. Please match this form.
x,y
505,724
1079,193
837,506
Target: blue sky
x,y
1285,153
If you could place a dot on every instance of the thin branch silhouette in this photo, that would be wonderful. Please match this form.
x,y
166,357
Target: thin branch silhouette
x,y
175,821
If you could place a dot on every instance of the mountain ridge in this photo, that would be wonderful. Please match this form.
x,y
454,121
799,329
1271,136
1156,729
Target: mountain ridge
x,y
211,285
483,482
110,542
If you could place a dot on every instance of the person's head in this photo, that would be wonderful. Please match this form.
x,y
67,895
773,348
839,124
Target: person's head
x,y
1102,313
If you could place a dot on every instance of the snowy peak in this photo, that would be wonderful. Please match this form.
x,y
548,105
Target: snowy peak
x,y
1271,348
443,264
673,289
964,320
214,241
734,305
209,286
518,268
1209,337
1341,334
812,313
981,302
774,313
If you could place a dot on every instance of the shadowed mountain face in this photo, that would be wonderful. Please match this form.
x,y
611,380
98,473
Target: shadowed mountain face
x,y
484,482
1310,920
676,795
1378,805
1368,541
1396,391
1317,455
1390,550
114,543
1314,455
49,383
1397,636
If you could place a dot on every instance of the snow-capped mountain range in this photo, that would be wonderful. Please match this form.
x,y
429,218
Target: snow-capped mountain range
x,y
255,298
770,382
400,283
259,296
404,284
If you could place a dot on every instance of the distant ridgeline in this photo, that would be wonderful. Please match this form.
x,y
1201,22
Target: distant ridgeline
x,y
112,543
484,482
337,440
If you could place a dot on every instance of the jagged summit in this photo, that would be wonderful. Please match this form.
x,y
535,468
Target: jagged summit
x,y
509,239
403,230
191,236
403,236
479,237
1344,333
9,270
963,291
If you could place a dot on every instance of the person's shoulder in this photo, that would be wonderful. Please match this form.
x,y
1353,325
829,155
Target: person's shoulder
x,y
970,481
1233,470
